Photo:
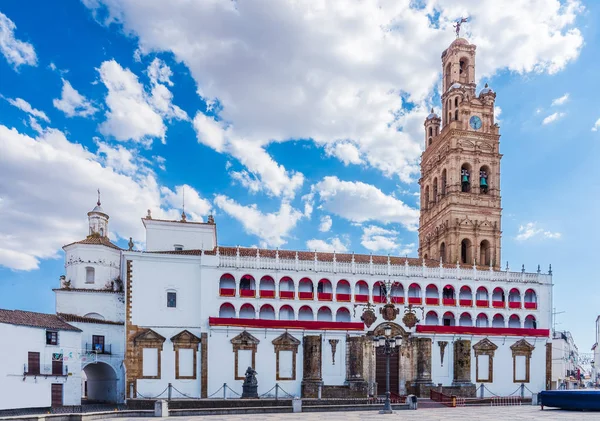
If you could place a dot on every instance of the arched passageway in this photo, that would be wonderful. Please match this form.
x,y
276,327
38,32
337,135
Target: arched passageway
x,y
99,382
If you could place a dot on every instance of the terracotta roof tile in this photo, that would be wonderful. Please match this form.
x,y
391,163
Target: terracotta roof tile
x,y
81,319
29,318
96,240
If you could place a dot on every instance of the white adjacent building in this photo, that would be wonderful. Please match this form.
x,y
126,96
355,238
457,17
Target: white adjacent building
x,y
596,356
40,362
565,361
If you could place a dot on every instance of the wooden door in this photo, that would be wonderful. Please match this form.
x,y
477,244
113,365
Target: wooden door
x,y
33,363
57,394
57,368
380,370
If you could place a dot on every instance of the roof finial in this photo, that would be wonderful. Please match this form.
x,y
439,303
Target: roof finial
x,y
431,110
457,25
486,85
98,203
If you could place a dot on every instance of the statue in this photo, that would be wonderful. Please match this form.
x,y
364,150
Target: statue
x,y
250,386
457,25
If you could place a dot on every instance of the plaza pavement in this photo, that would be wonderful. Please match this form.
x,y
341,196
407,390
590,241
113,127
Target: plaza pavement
x,y
486,413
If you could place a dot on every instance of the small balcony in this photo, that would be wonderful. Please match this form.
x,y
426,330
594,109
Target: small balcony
x,y
449,301
361,298
227,292
482,303
45,369
305,295
514,304
530,306
465,303
247,293
266,293
498,304
415,300
98,348
286,295
324,296
398,300
431,301
343,297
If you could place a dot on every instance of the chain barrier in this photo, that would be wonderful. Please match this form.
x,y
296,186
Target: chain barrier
x,y
218,390
183,394
231,390
266,393
155,397
286,393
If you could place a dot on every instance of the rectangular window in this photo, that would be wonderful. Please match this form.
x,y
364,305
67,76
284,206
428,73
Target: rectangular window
x,y
98,343
483,368
186,362
150,362
171,299
244,361
51,338
33,363
286,364
89,275
521,368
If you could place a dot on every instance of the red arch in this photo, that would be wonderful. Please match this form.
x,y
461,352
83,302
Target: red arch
x,y
465,287
431,312
449,313
266,307
361,298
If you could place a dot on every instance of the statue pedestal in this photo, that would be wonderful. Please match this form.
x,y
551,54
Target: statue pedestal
x,y
249,392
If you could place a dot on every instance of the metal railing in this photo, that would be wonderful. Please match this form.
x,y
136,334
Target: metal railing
x,y
45,370
98,348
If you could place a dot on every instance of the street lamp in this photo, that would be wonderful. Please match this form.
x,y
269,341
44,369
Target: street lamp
x,y
387,345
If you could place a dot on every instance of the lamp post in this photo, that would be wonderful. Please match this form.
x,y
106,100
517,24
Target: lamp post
x,y
387,345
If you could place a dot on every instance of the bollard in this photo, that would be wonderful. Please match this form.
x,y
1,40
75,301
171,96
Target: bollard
x,y
481,391
534,399
453,401
224,390
296,405
161,408
276,391
522,390
320,390
170,393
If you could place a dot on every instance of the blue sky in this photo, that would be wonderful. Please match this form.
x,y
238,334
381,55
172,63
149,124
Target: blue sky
x,y
297,126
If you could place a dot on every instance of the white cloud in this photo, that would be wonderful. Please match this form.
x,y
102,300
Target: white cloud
x,y
263,172
72,103
57,186
26,106
16,52
553,117
271,228
531,229
497,112
195,206
133,113
376,239
342,68
345,152
596,125
325,224
560,100
361,202
335,244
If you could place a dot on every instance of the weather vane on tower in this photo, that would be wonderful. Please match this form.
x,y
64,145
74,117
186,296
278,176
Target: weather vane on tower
x,y
457,25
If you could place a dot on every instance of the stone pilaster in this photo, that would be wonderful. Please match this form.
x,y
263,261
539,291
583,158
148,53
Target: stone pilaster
x,y
462,362
423,366
355,359
204,365
312,377
549,366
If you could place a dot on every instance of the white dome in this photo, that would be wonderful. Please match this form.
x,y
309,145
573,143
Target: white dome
x,y
432,115
486,90
456,86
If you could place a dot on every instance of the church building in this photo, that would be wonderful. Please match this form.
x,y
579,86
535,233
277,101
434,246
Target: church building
x,y
194,314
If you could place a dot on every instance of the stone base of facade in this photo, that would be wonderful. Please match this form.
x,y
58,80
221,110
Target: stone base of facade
x,y
465,390
354,389
420,390
310,389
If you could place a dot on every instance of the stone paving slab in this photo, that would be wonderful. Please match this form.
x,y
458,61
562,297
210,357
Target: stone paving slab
x,y
512,413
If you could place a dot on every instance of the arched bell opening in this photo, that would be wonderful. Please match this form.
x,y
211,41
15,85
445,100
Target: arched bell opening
x,y
484,182
465,178
443,182
465,252
435,189
443,252
485,253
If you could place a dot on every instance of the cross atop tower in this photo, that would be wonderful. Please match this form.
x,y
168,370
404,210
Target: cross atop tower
x,y
98,202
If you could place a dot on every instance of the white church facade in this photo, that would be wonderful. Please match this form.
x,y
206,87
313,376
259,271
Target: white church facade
x,y
188,315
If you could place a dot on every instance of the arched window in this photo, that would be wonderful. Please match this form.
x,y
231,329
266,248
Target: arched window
x,y
286,288
437,130
443,182
465,251
430,141
435,189
361,292
324,314
227,285
379,292
448,75
432,296
485,253
89,275
530,299
463,76
465,296
430,131
324,290
498,321
171,299
449,319
431,318
482,320
342,291
514,321
397,293
465,178
101,232
465,320
498,298
484,181
305,289
305,313
456,115
456,101
448,296
286,312
426,198
514,298
267,287
267,312
342,315
247,311
227,311
443,252
530,322
481,297
247,286
414,294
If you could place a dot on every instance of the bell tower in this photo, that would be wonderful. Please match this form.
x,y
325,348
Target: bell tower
x,y
460,169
